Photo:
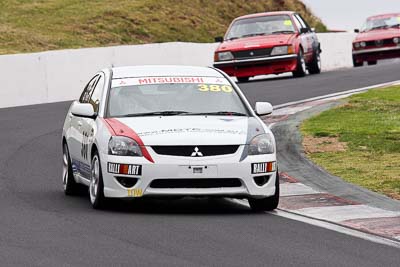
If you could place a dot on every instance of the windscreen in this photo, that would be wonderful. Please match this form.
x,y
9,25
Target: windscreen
x,y
382,23
260,26
173,96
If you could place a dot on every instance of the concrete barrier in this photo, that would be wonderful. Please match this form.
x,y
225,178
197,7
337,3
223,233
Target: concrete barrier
x,y
54,76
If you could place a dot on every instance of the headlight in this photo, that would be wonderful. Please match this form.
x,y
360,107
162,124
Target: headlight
x,y
261,144
280,50
223,56
363,44
357,45
123,146
396,40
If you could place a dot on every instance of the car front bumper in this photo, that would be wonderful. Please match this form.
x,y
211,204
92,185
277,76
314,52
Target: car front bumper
x,y
177,168
258,66
373,54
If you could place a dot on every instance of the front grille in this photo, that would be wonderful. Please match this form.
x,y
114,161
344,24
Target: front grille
x,y
196,183
195,151
379,43
265,52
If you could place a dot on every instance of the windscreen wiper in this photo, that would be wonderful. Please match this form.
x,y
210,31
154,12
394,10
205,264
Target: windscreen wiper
x,y
278,32
254,34
219,113
157,113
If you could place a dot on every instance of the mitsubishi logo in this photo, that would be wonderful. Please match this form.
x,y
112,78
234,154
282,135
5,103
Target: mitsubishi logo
x,y
196,152
251,53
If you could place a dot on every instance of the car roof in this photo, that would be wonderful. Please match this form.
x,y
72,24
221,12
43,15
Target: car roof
x,y
383,16
163,70
266,14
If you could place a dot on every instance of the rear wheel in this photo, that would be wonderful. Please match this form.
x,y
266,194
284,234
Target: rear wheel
x,y
96,186
301,65
374,62
356,63
268,203
243,79
69,185
315,65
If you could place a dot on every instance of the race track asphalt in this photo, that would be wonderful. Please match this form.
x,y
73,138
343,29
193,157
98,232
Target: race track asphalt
x,y
42,227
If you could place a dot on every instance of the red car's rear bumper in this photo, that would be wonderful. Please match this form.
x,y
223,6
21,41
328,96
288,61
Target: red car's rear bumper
x,y
258,66
373,54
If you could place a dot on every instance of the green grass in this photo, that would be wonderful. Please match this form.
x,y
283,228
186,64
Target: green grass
x,y
370,125
30,26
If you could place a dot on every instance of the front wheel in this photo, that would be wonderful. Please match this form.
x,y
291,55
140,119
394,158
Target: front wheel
x,y
357,64
96,187
268,203
301,65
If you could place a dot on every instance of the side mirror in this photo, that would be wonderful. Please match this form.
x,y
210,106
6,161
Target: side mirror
x,y
83,110
219,39
356,30
304,30
263,108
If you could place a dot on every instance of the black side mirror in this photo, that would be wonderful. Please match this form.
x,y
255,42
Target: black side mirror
x,y
219,39
356,30
304,30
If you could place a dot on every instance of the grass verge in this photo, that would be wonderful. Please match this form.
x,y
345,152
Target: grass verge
x,y
366,132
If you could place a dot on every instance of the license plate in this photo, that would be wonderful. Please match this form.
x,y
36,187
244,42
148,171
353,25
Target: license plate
x,y
197,170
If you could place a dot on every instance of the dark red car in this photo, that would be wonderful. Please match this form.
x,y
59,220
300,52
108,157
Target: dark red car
x,y
379,38
268,43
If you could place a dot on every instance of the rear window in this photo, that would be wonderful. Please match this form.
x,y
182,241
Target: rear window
x,y
134,96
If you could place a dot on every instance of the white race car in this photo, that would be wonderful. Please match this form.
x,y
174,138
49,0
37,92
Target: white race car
x,y
154,131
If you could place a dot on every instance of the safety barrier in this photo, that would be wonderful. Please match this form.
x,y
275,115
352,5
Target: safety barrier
x,y
54,76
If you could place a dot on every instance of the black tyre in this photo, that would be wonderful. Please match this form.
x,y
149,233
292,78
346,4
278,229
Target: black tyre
x,y
96,187
268,203
357,64
301,65
69,185
315,65
374,62
243,79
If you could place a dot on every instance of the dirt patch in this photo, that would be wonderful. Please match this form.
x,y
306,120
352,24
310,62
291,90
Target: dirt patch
x,y
323,144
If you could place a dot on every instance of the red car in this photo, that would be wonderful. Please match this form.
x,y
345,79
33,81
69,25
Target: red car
x,y
378,39
268,43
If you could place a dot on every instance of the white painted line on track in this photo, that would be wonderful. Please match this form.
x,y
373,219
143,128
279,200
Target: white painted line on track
x,y
343,213
337,95
329,226
296,189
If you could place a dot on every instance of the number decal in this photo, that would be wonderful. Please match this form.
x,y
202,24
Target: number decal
x,y
85,146
215,88
136,192
203,87
227,88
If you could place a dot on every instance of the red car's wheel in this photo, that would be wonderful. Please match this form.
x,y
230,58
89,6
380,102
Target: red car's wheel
x,y
301,65
315,65
357,63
